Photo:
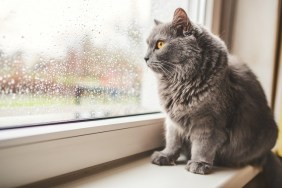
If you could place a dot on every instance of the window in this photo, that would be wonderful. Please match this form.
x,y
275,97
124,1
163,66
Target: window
x,y
72,60
65,61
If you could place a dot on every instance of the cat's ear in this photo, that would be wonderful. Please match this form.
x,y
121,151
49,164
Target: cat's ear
x,y
157,22
180,22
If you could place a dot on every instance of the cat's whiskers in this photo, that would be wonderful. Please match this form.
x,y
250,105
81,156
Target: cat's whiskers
x,y
164,67
168,67
157,66
166,70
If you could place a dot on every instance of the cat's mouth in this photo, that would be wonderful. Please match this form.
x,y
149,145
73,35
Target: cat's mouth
x,y
160,67
154,66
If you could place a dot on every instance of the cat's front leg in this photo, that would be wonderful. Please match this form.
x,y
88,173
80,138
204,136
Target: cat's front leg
x,y
206,140
202,156
170,154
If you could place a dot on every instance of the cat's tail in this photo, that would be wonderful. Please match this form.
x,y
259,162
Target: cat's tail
x,y
272,171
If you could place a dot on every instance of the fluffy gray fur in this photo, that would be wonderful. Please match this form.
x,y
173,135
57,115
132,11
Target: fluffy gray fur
x,y
217,113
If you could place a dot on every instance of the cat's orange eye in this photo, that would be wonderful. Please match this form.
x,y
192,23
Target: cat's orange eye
x,y
160,44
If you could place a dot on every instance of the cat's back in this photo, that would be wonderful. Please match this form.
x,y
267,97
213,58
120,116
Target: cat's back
x,y
246,93
244,82
250,120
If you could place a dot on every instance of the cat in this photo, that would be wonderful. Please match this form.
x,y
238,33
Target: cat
x,y
216,110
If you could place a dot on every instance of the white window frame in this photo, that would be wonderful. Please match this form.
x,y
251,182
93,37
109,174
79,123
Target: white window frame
x,y
33,154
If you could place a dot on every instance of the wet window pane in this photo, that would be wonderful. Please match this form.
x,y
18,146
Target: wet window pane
x,y
64,60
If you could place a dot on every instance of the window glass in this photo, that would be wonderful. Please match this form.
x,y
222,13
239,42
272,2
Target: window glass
x,y
63,60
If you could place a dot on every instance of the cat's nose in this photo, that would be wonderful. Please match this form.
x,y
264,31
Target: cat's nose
x,y
146,59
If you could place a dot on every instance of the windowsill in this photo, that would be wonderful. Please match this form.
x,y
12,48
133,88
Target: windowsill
x,y
141,173
34,154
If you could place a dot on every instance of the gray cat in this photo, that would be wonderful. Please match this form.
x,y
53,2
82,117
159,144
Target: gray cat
x,y
217,113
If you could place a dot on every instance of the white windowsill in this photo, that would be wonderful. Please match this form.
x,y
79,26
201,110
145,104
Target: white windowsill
x,y
33,154
141,173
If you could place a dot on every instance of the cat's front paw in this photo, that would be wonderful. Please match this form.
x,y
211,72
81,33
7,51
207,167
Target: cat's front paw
x,y
161,159
198,167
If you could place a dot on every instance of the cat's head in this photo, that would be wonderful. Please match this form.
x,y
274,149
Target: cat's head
x,y
173,47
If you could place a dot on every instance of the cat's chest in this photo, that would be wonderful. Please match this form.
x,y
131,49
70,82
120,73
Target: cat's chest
x,y
179,102
182,98
181,106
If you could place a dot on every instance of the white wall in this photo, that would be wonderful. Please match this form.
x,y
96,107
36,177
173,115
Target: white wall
x,y
254,37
